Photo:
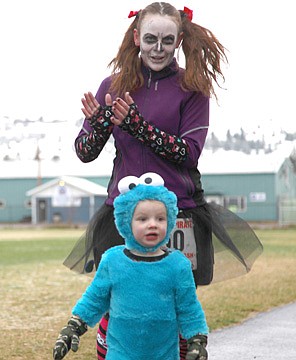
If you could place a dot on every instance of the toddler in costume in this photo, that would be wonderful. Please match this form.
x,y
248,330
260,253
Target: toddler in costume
x,y
148,289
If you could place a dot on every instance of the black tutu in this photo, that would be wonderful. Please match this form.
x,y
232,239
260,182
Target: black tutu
x,y
226,246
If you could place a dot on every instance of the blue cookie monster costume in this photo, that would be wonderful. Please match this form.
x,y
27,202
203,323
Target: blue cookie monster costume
x,y
149,303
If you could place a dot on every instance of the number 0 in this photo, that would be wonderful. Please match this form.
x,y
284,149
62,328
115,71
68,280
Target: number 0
x,y
178,240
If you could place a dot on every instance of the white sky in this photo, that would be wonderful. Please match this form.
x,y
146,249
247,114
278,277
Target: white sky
x,y
52,51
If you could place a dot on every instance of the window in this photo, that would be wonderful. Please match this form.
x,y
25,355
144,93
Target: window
x,y
216,199
237,204
2,203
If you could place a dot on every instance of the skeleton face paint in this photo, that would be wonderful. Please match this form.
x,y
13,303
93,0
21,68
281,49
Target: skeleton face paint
x,y
158,38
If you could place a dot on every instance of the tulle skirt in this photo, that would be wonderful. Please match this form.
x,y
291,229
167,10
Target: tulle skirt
x,y
225,246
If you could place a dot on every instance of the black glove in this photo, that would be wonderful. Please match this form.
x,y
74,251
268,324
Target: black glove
x,y
196,348
69,337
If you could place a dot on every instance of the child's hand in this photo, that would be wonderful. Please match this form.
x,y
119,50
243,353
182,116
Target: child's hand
x,y
69,337
197,348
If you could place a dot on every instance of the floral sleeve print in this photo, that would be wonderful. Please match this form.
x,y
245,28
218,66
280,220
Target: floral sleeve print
x,y
89,145
170,147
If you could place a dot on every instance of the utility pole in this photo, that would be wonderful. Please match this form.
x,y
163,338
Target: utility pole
x,y
38,159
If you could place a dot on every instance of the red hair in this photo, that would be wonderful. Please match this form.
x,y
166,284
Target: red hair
x,y
203,54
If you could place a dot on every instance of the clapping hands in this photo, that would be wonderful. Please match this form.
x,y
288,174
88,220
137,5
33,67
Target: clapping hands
x,y
119,107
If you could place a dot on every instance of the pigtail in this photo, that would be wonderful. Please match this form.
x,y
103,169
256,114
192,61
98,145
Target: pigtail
x,y
126,73
203,53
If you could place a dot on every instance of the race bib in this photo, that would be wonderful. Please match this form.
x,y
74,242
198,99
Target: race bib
x,y
182,238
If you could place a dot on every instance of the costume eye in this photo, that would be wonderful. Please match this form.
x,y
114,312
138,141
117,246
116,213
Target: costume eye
x,y
168,40
150,39
151,178
127,183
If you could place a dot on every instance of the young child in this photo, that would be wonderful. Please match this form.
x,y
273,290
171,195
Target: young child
x,y
148,289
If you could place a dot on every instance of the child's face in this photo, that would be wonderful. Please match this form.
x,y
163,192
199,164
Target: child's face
x,y
158,38
149,222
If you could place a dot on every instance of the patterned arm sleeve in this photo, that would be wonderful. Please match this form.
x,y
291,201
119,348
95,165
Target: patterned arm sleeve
x,y
89,145
170,147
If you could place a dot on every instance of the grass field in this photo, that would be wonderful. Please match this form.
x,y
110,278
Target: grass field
x,y
38,292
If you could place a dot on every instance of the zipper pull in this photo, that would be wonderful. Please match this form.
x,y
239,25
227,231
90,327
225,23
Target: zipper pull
x,y
149,80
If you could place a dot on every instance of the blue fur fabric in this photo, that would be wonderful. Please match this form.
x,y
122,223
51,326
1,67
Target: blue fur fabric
x,y
149,304
124,207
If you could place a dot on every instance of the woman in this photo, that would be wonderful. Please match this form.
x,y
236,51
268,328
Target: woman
x,y
158,114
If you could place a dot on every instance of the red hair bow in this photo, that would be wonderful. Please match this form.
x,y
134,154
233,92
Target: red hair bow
x,y
188,12
133,13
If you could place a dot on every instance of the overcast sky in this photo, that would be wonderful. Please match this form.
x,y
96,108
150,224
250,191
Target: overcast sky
x,y
52,51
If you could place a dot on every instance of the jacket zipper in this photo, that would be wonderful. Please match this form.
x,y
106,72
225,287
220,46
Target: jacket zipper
x,y
149,79
149,82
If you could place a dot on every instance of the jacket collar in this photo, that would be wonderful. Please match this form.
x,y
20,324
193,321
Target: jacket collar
x,y
157,75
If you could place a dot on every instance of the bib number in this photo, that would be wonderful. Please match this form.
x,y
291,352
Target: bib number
x,y
182,238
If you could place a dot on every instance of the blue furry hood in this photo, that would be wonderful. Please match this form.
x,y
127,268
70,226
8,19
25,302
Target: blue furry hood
x,y
124,207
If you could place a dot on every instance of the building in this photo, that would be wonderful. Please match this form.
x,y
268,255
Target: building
x,y
66,199
257,187
27,186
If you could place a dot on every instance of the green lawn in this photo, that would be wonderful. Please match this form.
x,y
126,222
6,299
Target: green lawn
x,y
21,246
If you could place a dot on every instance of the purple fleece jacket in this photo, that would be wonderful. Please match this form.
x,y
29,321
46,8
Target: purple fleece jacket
x,y
164,104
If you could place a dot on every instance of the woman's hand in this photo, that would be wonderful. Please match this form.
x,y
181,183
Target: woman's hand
x,y
91,105
120,108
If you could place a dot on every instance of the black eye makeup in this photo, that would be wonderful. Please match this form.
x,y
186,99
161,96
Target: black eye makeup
x,y
152,39
168,40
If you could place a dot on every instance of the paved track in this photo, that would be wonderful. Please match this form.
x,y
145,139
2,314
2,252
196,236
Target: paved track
x,y
267,336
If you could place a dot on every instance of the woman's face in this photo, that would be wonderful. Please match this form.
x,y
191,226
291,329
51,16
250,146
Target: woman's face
x,y
158,38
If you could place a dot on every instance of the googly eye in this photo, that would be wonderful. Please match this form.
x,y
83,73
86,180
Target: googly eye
x,y
151,178
127,183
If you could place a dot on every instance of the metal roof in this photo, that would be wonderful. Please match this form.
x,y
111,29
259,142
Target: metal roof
x,y
218,162
69,166
235,162
82,186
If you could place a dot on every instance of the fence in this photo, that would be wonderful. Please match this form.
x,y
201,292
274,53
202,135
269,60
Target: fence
x,y
287,212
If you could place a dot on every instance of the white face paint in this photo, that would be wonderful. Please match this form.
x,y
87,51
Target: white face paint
x,y
158,38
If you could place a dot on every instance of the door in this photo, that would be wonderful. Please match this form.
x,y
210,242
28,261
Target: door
x,y
41,210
